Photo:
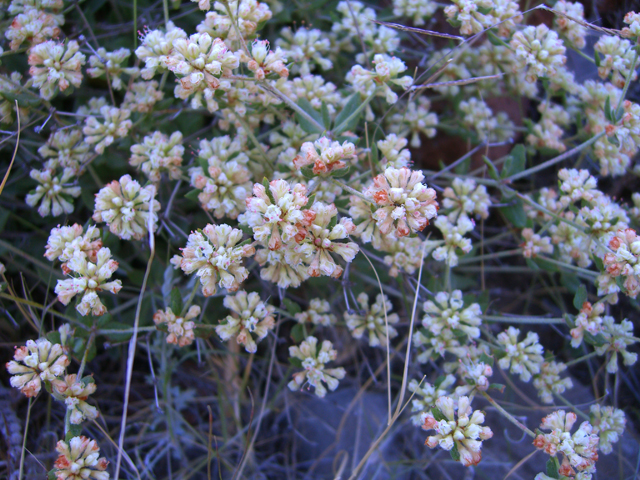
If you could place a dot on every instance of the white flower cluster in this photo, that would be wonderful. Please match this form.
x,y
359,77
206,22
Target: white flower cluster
x,y
314,360
373,319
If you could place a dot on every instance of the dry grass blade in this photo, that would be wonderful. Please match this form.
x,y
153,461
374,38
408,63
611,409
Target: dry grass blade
x,y
134,340
451,83
15,151
591,26
421,31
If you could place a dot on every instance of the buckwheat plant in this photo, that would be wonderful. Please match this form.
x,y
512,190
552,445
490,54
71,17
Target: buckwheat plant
x,y
211,209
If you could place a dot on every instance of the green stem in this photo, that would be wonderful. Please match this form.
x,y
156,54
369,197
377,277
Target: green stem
x,y
530,171
281,96
581,359
508,416
362,106
488,256
523,319
349,189
628,79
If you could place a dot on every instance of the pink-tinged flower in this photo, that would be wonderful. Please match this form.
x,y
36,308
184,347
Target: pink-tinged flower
x,y
314,360
285,267
588,320
625,259
74,393
159,153
404,204
325,155
250,320
534,244
116,124
34,363
385,75
222,176
264,61
80,460
180,328
63,242
125,207
34,26
275,214
461,428
579,450
214,254
321,240
89,278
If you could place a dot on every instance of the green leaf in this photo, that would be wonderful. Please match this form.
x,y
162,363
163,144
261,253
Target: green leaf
x,y
175,301
311,200
455,454
341,172
552,468
74,431
515,214
265,184
486,359
307,172
493,172
497,386
51,474
295,361
515,162
346,120
597,58
304,123
607,110
326,121
580,297
297,333
193,195
292,307
437,414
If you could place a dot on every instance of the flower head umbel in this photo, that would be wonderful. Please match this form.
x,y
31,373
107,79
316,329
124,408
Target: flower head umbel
x,y
616,58
89,278
54,192
579,450
426,394
371,319
156,47
199,61
157,154
180,329
286,266
404,204
55,67
608,423
385,74
250,321
264,61
110,63
320,240
214,254
66,149
524,357
464,197
548,381
458,430
63,242
535,244
74,393
325,155
306,48
625,260
449,313
617,338
274,212
116,124
126,208
34,363
539,52
588,320
318,313
79,459
313,359
33,25
415,120
222,177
